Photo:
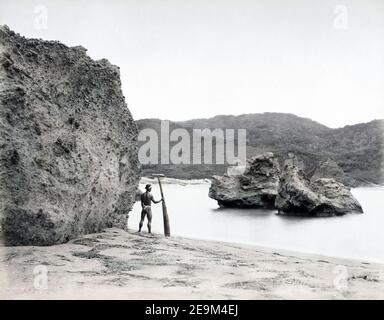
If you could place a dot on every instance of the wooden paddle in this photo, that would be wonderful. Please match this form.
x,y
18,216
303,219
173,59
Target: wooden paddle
x,y
167,230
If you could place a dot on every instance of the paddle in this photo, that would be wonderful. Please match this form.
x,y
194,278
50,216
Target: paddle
x,y
167,230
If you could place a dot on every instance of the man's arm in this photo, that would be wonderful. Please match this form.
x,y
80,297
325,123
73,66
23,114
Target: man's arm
x,y
154,201
142,201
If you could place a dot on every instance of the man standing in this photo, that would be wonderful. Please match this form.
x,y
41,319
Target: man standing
x,y
146,201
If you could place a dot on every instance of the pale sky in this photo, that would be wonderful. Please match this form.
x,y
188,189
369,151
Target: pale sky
x,y
195,59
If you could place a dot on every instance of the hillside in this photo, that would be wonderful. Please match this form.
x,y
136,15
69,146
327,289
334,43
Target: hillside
x,y
357,149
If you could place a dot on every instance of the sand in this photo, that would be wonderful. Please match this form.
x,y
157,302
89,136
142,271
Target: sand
x,y
116,264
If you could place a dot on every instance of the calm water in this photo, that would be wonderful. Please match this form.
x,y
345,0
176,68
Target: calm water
x,y
193,214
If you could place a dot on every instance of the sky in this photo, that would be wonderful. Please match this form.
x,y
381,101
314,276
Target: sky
x,y
181,59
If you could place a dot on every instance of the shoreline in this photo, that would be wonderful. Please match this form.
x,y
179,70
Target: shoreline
x,y
116,264
287,251
175,181
178,181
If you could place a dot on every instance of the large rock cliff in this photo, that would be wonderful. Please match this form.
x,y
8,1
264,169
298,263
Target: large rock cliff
x,y
68,143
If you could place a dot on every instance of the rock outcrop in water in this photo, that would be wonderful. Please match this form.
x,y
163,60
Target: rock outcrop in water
x,y
330,169
297,195
68,148
256,188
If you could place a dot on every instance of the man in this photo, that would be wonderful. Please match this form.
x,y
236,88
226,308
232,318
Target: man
x,y
146,201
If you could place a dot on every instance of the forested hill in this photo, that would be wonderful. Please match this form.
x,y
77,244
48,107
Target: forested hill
x,y
357,149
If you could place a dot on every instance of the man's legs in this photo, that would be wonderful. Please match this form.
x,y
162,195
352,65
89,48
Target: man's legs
x,y
149,217
143,213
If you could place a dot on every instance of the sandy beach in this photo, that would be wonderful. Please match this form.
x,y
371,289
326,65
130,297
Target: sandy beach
x,y
115,264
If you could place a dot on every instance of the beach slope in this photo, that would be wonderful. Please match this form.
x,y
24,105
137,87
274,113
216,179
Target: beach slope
x,y
115,264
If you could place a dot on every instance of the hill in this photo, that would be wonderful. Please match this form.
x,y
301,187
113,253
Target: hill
x,y
357,149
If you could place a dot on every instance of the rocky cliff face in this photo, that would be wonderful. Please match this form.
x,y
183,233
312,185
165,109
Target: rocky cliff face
x,y
68,143
297,195
255,188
